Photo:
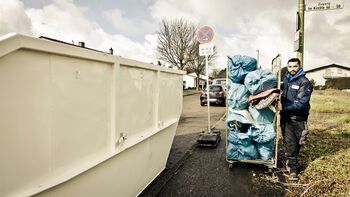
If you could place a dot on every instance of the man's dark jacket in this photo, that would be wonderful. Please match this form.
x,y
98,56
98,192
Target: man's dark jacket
x,y
296,95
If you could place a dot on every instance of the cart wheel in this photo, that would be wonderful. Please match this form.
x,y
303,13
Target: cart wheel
x,y
230,165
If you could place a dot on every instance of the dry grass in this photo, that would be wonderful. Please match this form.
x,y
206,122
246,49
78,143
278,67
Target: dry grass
x,y
325,160
330,101
331,173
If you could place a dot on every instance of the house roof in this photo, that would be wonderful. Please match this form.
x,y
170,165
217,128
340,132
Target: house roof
x,y
60,41
202,77
327,66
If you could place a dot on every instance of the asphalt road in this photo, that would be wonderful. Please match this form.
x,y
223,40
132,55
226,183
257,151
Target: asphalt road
x,y
193,120
198,171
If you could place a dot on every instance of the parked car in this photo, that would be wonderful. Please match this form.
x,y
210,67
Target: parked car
x,y
220,81
217,95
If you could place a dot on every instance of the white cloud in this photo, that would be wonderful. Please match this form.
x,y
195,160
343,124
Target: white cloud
x,y
13,18
242,27
327,38
65,21
127,25
246,26
61,20
171,9
120,21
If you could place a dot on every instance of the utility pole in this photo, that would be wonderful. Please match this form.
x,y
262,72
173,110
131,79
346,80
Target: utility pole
x,y
300,30
311,6
258,57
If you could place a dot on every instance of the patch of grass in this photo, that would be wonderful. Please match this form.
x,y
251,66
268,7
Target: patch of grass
x,y
322,143
326,159
345,134
328,176
330,101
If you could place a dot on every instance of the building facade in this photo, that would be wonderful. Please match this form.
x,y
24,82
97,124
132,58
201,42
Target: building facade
x,y
189,81
321,74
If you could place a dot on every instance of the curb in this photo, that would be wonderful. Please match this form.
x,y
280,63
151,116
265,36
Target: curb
x,y
191,94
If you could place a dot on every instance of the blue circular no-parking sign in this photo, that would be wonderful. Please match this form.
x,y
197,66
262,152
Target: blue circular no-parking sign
x,y
205,34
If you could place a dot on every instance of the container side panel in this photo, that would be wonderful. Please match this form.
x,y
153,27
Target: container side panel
x,y
125,174
136,101
25,139
80,110
170,96
62,115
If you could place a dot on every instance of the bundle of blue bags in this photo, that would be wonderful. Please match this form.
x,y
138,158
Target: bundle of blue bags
x,y
251,132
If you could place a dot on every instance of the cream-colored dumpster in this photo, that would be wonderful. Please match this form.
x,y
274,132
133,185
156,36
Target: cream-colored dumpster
x,y
77,122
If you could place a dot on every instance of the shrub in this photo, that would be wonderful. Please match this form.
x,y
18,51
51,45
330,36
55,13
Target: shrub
x,y
338,83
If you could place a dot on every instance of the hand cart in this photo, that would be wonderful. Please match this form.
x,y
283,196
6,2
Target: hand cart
x,y
271,163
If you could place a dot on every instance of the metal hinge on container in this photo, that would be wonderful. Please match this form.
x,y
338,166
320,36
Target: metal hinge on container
x,y
122,137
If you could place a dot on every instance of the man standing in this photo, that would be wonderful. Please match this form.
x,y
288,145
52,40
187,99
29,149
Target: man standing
x,y
295,100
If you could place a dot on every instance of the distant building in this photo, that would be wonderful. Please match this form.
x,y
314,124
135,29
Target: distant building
x,y
321,74
189,80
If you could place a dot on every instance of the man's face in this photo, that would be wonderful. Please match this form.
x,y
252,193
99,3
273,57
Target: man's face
x,y
293,68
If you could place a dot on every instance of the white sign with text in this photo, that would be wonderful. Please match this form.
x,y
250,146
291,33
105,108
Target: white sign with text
x,y
206,49
319,5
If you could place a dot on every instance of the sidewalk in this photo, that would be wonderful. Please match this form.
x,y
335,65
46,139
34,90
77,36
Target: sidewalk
x,y
190,92
184,144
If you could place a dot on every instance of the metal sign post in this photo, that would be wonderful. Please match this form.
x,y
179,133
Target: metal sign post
x,y
206,50
205,35
208,96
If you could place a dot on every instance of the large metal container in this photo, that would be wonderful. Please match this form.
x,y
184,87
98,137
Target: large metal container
x,y
77,122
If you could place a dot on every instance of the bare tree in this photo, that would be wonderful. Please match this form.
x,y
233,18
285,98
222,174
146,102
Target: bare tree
x,y
198,64
176,42
222,73
215,73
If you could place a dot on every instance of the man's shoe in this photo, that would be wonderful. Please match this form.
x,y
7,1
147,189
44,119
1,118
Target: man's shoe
x,y
293,176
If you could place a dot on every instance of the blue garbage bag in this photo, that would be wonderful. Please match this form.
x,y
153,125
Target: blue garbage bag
x,y
265,150
239,138
238,126
262,116
262,133
233,153
237,117
239,66
241,152
260,80
237,97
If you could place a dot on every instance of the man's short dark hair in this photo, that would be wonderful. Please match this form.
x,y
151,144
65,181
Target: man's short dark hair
x,y
294,60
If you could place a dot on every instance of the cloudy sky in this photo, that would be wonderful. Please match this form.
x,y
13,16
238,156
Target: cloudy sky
x,y
130,26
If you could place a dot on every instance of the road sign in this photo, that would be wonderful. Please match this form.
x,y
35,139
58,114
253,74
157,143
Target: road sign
x,y
205,34
206,49
320,5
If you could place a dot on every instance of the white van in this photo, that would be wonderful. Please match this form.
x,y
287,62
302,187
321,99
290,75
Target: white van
x,y
221,81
